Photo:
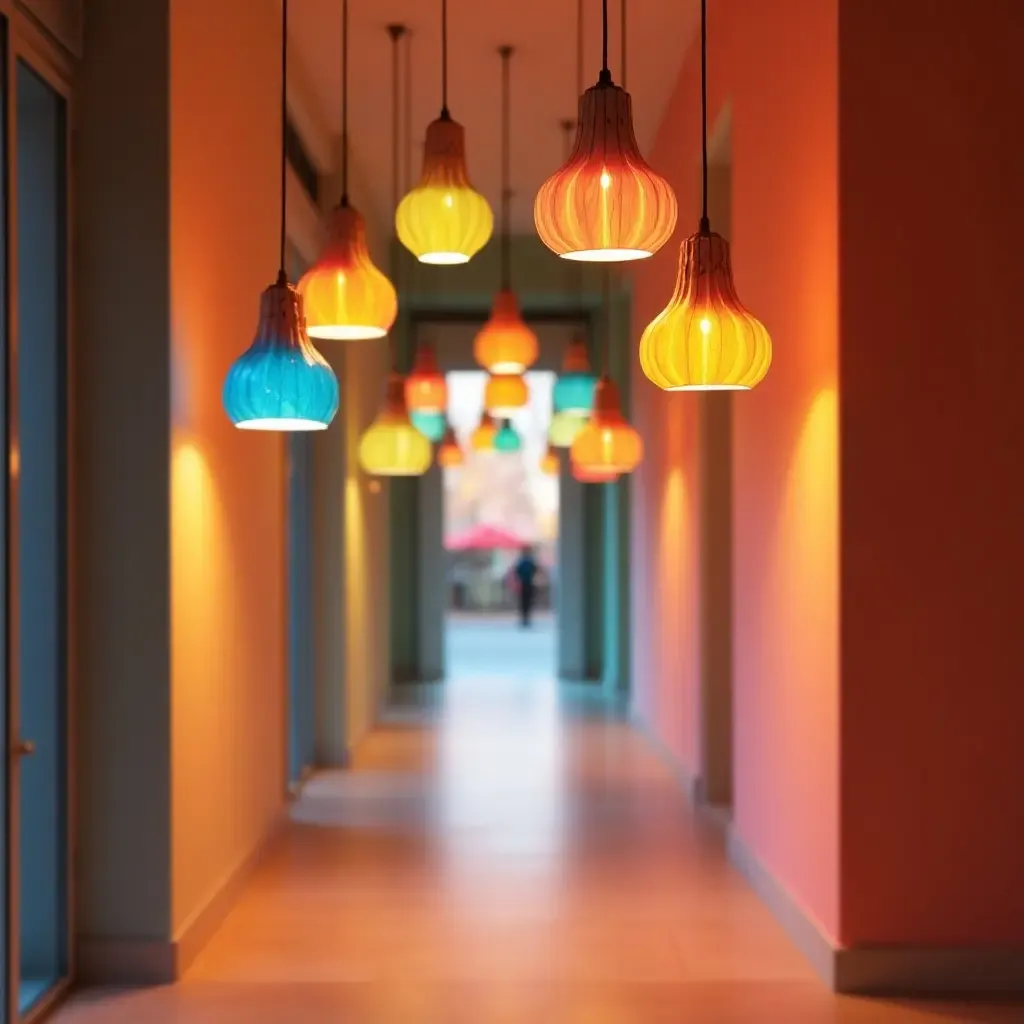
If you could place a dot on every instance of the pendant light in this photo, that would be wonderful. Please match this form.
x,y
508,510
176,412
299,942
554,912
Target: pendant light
x,y
505,344
482,438
449,452
605,204
281,382
347,298
443,219
705,339
507,439
426,390
549,464
574,388
504,393
564,428
430,424
607,443
593,476
392,446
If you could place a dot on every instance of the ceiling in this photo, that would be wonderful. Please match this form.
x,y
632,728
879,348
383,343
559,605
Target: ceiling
x,y
543,78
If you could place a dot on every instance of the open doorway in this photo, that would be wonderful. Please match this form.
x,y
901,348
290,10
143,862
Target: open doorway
x,y
500,538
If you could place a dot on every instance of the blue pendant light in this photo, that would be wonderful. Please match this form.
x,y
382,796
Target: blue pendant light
x,y
281,382
506,440
574,388
430,424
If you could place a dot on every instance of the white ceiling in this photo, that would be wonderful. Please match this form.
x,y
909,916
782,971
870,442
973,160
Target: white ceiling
x,y
543,78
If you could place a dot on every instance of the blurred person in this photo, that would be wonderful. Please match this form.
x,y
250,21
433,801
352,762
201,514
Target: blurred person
x,y
526,574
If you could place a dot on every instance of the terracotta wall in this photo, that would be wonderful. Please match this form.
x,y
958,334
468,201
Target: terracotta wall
x,y
774,67
933,542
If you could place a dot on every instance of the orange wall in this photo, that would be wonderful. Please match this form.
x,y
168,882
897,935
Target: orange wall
x,y
776,67
933,507
228,526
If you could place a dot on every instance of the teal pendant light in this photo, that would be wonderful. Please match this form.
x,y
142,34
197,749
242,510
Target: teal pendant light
x,y
431,425
507,440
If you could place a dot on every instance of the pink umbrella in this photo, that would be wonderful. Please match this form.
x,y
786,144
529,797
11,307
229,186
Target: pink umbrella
x,y
484,538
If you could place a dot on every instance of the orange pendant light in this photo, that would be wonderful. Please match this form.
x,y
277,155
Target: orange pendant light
x,y
482,438
425,388
504,394
549,464
346,297
443,219
449,452
705,339
607,444
605,204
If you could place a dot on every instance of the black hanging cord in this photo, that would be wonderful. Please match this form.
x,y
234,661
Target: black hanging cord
x,y
705,224
506,174
605,78
445,116
622,32
282,275
344,102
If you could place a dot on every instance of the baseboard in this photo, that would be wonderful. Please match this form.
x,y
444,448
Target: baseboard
x,y
144,962
893,971
689,782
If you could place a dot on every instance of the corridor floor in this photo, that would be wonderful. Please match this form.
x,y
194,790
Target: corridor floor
x,y
510,862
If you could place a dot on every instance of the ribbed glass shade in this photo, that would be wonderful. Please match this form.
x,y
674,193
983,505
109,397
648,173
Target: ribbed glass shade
x,y
549,463
430,424
281,382
391,445
705,339
449,453
607,444
425,387
482,438
346,297
507,439
443,219
593,476
574,388
504,393
605,204
505,344
564,428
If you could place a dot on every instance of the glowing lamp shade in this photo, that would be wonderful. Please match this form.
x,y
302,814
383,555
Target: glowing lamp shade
x,y
430,424
482,438
449,454
281,382
505,393
507,440
549,464
505,344
425,387
346,297
593,476
391,445
607,444
605,204
705,339
574,389
564,428
443,219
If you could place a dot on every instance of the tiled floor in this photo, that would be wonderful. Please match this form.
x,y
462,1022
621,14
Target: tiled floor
x,y
510,863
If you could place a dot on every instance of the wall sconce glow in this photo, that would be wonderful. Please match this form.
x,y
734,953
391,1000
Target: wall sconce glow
x,y
574,389
607,444
281,382
505,344
505,393
392,446
430,424
425,388
346,297
482,438
705,339
507,440
564,428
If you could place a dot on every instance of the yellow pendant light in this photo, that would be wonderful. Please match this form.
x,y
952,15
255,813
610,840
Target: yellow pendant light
x,y
504,394
443,219
564,428
482,438
392,446
705,339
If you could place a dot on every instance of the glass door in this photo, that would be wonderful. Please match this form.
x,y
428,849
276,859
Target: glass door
x,y
37,849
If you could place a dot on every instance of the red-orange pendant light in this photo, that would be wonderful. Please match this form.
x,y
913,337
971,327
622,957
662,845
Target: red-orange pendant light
x,y
705,339
605,204
449,452
505,344
425,388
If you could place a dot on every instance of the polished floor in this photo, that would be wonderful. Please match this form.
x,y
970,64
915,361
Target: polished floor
x,y
505,861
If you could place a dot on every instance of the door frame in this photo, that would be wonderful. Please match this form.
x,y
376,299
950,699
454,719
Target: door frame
x,y
25,41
